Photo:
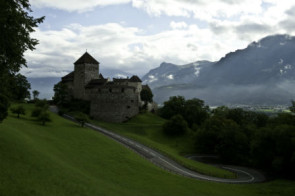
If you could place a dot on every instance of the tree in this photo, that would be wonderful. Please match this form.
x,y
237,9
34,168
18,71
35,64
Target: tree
x,y
233,143
18,110
35,94
146,95
175,126
40,106
195,112
174,106
44,117
292,108
41,111
16,25
61,94
81,118
20,88
4,105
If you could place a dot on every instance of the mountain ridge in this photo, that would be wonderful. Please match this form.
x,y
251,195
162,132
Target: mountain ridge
x,y
261,73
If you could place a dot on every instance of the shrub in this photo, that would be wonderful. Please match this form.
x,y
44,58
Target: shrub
x,y
18,110
4,104
44,117
175,126
81,118
36,112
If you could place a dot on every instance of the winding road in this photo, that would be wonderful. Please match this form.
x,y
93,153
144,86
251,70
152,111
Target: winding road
x,y
244,175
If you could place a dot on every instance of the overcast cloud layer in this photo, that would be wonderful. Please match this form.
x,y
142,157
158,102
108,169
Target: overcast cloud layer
x,y
153,31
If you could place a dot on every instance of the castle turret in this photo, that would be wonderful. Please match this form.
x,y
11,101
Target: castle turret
x,y
86,69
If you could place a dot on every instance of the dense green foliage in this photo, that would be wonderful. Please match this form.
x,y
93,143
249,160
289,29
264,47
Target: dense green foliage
x,y
4,105
61,94
18,110
40,112
175,126
63,159
19,88
146,95
237,136
81,118
16,25
194,111
44,117
249,138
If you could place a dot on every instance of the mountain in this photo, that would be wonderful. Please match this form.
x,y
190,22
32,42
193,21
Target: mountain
x,y
169,74
261,74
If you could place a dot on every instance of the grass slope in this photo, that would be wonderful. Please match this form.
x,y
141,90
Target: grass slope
x,y
65,159
147,129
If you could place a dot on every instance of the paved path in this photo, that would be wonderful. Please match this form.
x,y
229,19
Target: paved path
x,y
170,165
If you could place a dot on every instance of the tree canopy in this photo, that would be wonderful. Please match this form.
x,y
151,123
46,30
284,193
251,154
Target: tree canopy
x,y
60,94
16,25
35,94
19,88
146,95
194,111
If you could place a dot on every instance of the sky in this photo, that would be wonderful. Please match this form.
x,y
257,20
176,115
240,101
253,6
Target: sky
x,y
135,36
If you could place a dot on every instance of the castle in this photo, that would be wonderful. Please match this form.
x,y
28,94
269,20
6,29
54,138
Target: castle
x,y
114,101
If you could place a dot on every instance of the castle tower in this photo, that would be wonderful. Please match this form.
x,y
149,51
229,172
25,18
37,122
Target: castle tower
x,y
86,69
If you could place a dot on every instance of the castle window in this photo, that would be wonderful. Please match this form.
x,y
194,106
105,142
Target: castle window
x,y
128,106
110,90
122,90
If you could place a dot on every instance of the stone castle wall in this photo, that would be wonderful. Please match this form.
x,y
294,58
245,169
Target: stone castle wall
x,y
83,74
113,101
115,105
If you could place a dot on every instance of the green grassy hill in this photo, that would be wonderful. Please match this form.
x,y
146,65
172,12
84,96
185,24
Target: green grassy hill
x,y
62,158
147,129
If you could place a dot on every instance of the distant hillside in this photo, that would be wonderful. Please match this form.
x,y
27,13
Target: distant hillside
x,y
263,73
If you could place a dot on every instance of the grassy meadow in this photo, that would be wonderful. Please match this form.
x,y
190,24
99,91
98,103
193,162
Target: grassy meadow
x,y
147,129
63,158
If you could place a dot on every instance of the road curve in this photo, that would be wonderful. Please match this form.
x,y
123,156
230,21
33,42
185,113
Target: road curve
x,y
170,165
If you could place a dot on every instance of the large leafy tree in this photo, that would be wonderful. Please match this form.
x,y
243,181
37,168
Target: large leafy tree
x,y
16,25
194,111
61,94
146,95
20,88
35,94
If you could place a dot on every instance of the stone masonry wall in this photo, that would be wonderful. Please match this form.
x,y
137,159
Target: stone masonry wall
x,y
82,75
114,105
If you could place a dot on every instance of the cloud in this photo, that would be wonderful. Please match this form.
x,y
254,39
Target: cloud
x,y
202,9
178,25
227,25
120,47
76,5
